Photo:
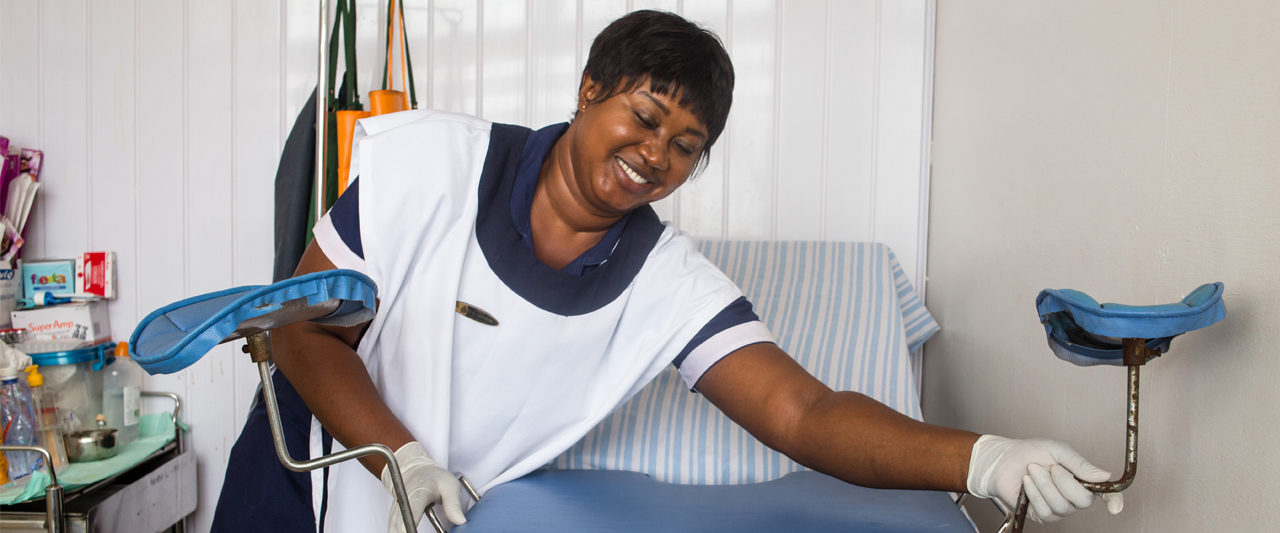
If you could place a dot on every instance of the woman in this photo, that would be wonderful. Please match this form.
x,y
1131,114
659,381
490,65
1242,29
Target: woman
x,y
526,289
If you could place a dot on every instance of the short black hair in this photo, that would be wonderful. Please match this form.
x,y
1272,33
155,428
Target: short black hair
x,y
674,56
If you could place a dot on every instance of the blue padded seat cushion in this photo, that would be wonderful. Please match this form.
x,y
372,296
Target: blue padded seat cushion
x,y
175,336
613,501
1085,332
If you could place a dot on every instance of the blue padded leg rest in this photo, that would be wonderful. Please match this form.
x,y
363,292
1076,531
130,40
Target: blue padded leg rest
x,y
606,501
1082,331
175,336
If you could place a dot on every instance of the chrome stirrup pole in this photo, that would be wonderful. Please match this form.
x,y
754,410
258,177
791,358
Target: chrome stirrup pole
x,y
431,509
322,82
1136,353
259,348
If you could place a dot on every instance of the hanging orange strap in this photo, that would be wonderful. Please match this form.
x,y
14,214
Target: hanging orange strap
x,y
389,100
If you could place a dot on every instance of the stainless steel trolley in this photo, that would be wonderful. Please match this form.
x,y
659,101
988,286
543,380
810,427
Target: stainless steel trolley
x,y
157,494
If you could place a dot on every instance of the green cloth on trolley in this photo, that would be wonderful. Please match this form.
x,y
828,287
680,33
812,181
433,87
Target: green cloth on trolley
x,y
155,430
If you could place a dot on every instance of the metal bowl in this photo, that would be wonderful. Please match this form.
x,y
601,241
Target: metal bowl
x,y
91,445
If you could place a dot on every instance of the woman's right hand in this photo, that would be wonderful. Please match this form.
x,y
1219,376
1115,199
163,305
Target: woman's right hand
x,y
425,483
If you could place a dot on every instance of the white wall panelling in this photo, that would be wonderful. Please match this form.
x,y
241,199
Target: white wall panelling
x,y
208,247
162,124
503,83
61,222
160,224
898,136
455,56
801,102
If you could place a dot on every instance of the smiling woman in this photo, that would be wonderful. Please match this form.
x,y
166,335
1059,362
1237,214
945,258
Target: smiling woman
x,y
654,97
551,234
587,295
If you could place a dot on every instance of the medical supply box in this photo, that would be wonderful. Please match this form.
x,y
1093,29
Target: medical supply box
x,y
57,276
96,274
82,321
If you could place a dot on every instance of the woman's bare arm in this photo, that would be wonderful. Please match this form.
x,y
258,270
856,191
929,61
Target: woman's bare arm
x,y
843,434
321,363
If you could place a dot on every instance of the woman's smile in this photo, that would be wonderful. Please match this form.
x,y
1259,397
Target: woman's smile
x,y
631,173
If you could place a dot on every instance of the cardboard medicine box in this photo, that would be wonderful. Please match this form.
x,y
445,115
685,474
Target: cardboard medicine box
x,y
96,274
86,321
57,276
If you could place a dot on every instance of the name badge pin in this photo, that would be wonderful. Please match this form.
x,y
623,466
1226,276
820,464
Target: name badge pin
x,y
475,313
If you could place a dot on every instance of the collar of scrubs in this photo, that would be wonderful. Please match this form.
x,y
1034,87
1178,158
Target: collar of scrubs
x,y
536,149
511,258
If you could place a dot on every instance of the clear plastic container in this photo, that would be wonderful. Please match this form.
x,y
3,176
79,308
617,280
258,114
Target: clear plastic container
x,y
74,377
122,395
18,423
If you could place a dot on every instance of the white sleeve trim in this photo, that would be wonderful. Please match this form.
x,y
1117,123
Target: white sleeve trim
x,y
334,248
719,345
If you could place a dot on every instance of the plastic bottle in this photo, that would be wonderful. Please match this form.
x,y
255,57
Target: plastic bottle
x,y
121,395
45,406
19,424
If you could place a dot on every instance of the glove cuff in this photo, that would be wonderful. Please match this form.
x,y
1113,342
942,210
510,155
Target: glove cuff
x,y
983,459
411,455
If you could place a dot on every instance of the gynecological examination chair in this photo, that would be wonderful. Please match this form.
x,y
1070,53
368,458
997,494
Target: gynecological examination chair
x,y
847,299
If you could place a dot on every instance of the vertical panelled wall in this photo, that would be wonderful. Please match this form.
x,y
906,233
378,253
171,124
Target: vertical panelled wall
x,y
162,123
827,138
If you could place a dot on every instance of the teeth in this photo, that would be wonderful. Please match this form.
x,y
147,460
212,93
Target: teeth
x,y
631,173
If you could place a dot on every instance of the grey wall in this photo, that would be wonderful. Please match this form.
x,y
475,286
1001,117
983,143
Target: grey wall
x,y
1128,149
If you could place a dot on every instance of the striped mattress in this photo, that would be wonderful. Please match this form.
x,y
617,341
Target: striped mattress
x,y
845,311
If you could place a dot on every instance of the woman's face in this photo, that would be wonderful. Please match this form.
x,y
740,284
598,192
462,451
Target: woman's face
x,y
631,149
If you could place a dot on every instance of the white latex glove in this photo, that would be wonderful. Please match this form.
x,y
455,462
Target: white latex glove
x,y
999,468
425,483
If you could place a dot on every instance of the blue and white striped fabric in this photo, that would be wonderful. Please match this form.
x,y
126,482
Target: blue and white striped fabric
x,y
845,311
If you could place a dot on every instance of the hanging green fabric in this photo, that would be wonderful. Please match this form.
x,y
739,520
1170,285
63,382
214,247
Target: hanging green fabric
x,y
342,106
